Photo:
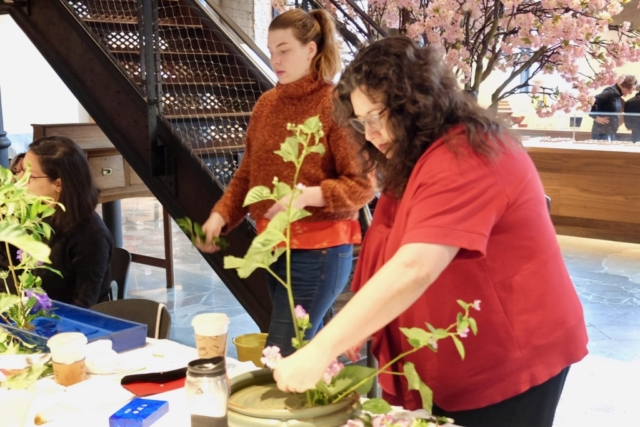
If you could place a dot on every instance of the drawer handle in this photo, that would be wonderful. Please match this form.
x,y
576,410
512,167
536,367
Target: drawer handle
x,y
107,171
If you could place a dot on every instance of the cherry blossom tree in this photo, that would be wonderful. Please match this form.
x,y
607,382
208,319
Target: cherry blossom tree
x,y
525,39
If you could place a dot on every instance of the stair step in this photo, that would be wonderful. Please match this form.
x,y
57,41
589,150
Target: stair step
x,y
170,54
206,115
131,21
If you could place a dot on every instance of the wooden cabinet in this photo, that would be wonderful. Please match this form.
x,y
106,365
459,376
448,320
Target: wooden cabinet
x,y
112,173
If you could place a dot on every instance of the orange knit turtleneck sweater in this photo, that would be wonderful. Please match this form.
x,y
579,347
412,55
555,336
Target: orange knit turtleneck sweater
x,y
338,172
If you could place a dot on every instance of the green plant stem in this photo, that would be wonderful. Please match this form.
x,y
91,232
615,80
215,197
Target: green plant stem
x,y
6,286
381,370
296,328
12,268
4,319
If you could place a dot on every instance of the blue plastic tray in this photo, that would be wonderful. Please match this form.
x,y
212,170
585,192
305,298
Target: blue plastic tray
x,y
124,335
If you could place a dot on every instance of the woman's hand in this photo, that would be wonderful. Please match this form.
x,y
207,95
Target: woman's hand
x,y
302,370
353,353
601,120
212,229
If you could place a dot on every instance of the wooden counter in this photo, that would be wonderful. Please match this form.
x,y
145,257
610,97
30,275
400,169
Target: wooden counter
x,y
594,189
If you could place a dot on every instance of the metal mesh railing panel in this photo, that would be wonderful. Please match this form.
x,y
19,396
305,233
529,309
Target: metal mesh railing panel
x,y
206,89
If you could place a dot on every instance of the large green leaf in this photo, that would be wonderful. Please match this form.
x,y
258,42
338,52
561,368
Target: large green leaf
x,y
459,346
279,222
7,301
15,235
312,125
317,148
267,240
280,190
417,337
298,214
357,374
257,194
376,406
233,262
416,383
289,149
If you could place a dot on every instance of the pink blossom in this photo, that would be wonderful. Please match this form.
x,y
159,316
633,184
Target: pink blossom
x,y
301,314
271,356
332,370
464,333
476,305
354,423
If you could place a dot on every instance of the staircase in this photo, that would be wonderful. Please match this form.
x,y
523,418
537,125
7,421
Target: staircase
x,y
172,84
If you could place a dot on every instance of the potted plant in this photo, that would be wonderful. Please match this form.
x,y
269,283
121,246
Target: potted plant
x,y
255,399
22,299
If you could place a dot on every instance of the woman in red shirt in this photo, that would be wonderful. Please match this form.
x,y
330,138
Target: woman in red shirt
x,y
462,216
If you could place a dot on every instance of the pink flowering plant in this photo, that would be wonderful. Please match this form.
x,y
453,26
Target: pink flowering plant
x,y
22,226
583,42
338,382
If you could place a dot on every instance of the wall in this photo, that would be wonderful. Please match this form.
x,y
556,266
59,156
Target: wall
x,y
31,91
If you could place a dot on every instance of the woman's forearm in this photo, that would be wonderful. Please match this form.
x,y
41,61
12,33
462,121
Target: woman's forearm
x,y
394,288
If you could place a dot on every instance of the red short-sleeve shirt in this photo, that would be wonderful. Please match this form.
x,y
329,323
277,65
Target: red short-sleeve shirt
x,y
531,324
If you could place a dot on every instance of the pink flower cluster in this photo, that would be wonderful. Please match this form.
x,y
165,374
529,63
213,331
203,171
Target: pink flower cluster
x,y
565,33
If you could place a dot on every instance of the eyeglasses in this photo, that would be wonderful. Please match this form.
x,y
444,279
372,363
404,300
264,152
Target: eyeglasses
x,y
371,120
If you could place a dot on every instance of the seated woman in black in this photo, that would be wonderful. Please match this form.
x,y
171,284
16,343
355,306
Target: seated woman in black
x,y
81,245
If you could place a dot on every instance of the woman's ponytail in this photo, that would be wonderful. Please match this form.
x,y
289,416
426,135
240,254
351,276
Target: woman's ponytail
x,y
327,61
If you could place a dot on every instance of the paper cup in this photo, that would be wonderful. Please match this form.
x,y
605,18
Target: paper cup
x,y
68,356
71,374
211,334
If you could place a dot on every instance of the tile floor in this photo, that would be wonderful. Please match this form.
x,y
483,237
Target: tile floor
x,y
600,391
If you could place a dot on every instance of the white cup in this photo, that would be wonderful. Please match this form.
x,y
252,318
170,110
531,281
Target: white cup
x,y
67,347
211,334
68,352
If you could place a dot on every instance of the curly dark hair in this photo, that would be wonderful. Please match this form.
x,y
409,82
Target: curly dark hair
x,y
423,102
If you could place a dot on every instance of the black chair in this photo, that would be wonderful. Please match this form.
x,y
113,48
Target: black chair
x,y
120,262
154,314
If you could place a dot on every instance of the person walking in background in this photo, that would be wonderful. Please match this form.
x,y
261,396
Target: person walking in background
x,y
606,109
456,188
305,57
81,244
632,115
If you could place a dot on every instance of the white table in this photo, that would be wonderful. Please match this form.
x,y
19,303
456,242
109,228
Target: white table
x,y
92,402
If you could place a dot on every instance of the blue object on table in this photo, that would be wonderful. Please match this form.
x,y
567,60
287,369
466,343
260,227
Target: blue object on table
x,y
124,334
139,413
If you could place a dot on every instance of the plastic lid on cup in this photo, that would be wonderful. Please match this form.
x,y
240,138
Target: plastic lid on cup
x,y
210,324
67,347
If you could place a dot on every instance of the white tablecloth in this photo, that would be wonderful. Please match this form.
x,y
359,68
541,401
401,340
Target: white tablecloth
x,y
92,402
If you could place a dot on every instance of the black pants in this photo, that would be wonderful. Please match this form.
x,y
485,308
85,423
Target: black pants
x,y
535,407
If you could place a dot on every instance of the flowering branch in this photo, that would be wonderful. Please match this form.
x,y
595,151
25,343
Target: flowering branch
x,y
480,37
22,226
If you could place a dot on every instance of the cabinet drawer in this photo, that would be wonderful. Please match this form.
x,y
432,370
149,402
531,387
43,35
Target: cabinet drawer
x,y
108,171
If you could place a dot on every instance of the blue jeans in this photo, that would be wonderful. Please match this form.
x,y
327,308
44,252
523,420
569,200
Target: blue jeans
x,y
317,277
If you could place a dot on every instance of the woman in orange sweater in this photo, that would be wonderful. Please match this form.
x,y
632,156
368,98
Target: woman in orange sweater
x,y
304,56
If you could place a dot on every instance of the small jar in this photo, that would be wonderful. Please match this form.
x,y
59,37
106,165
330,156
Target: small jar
x,y
207,389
